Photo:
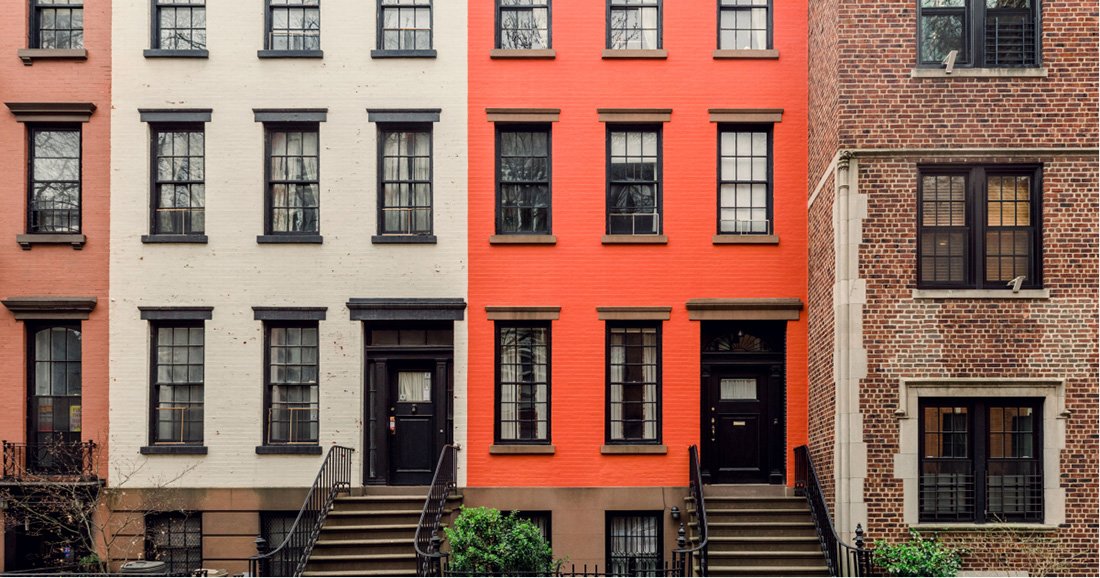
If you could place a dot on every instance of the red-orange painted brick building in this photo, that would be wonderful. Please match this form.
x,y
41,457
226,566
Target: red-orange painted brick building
x,y
55,86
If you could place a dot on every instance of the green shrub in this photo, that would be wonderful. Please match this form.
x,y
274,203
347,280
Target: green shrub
x,y
486,542
917,557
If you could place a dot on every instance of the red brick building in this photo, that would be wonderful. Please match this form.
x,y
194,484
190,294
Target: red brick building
x,y
953,266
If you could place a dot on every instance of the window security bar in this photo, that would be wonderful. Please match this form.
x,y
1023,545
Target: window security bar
x,y
639,223
747,227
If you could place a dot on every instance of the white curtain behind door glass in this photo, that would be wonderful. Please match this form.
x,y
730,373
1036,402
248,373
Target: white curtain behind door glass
x,y
414,386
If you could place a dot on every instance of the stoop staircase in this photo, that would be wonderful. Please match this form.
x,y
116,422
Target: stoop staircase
x,y
372,534
760,530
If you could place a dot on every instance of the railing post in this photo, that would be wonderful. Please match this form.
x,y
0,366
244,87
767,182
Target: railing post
x,y
862,564
680,556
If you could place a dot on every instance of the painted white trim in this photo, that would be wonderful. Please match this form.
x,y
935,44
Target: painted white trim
x,y
824,177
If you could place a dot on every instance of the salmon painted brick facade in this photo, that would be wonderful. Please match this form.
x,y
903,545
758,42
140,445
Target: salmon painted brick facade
x,y
582,278
55,90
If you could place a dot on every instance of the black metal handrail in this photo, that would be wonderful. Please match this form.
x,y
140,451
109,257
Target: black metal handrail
x,y
290,557
682,555
843,559
429,557
48,460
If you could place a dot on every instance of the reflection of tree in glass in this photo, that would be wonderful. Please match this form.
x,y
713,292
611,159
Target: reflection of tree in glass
x,y
55,196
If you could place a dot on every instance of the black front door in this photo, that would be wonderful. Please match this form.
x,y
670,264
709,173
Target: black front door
x,y
738,424
412,423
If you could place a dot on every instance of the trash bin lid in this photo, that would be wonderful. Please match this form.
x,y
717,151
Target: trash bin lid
x,y
143,567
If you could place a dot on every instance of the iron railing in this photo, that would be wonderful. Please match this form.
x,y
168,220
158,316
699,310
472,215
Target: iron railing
x,y
694,558
665,569
430,560
290,557
51,459
843,559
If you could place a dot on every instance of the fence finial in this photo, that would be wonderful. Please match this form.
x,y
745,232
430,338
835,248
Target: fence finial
x,y
261,545
681,537
859,536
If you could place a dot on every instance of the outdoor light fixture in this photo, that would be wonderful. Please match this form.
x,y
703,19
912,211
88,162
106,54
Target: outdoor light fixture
x,y
675,513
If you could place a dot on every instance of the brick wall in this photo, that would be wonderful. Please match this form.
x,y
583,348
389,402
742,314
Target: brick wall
x,y
822,387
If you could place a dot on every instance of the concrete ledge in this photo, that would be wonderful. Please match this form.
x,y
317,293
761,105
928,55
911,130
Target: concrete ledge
x,y
540,54
745,240
745,54
402,54
522,114
174,239
404,240
633,449
634,239
29,55
744,309
634,115
289,239
289,450
979,73
522,313
610,54
521,449
523,240
980,294
746,115
161,53
28,241
634,313
1009,527
24,308
290,53
173,450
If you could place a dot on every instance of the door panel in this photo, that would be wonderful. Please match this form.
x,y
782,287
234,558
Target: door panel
x,y
736,425
412,428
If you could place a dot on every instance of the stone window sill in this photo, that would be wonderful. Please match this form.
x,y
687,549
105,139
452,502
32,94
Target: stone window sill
x,y
658,54
402,54
29,240
290,239
970,527
173,450
523,240
521,449
746,239
980,294
404,240
290,53
634,240
634,449
29,55
507,53
162,53
180,239
746,54
979,73
291,450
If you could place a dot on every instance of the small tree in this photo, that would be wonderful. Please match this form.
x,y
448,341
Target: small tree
x,y
485,542
918,557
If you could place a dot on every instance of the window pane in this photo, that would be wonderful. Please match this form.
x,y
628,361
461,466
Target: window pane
x,y
634,382
180,196
55,181
744,183
406,25
633,544
634,183
523,366
178,388
524,181
947,480
406,194
294,413
294,167
940,34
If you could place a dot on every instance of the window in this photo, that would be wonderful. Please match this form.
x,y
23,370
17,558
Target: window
x,y
405,25
523,24
276,526
523,383
178,383
179,190
744,187
634,180
180,25
744,24
634,544
175,539
634,383
981,460
985,33
405,199
979,227
523,180
57,24
293,179
634,24
293,412
55,169
294,25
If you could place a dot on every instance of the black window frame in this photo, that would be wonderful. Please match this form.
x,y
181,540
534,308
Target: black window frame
x,y
269,21
526,127
977,225
380,27
657,516
157,31
270,128
977,441
155,130
769,130
154,385
543,519
276,523
385,128
32,130
609,327
192,526
498,398
658,182
268,385
973,52
736,8
658,4
34,35
498,29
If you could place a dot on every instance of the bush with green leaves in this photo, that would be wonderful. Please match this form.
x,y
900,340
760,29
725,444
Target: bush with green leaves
x,y
918,557
486,542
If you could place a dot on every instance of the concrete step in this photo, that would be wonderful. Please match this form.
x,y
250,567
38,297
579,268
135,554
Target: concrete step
x,y
368,532
751,502
407,572
757,515
378,503
361,562
794,571
372,517
761,529
328,547
764,543
767,558
746,490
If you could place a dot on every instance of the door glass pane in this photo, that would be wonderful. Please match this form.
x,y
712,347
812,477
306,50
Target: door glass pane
x,y
733,389
414,386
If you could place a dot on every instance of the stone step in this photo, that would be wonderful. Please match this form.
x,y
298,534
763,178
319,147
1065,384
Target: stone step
x,y
794,571
715,515
405,572
328,547
761,529
767,558
746,490
378,503
764,543
369,532
361,562
372,517
754,502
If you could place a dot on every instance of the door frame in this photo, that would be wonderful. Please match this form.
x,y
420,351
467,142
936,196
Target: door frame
x,y
775,395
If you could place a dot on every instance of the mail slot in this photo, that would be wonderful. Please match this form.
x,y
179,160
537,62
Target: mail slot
x,y
738,424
